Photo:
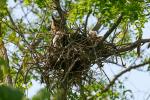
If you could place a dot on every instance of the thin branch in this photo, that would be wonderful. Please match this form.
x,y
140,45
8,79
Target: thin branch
x,y
115,63
17,74
131,46
114,26
0,29
105,74
148,97
122,73
86,22
25,15
19,31
98,25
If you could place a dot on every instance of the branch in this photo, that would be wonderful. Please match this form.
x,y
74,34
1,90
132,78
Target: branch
x,y
61,12
97,26
131,46
114,26
86,22
0,29
15,27
121,73
4,56
59,9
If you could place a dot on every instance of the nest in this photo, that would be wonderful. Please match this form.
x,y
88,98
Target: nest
x,y
71,60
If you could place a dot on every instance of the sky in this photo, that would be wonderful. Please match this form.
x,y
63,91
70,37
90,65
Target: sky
x,y
138,81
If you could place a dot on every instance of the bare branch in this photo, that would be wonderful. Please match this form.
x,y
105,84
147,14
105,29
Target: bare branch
x,y
114,26
121,73
132,46
97,26
86,22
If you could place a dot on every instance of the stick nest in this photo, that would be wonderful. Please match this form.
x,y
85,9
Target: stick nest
x,y
71,60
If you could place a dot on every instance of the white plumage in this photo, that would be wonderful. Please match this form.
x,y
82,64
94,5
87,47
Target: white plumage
x,y
57,38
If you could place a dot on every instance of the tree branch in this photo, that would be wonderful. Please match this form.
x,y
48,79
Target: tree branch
x,y
59,9
131,46
15,27
121,73
97,26
114,26
86,22
4,56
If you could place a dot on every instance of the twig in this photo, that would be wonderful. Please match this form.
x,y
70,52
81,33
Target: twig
x,y
16,77
148,97
13,23
115,63
25,15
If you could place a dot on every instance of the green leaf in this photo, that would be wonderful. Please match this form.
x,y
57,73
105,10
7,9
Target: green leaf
x,y
8,93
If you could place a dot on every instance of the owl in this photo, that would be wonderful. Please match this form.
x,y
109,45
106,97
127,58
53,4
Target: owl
x,y
55,25
92,34
57,39
56,31
94,37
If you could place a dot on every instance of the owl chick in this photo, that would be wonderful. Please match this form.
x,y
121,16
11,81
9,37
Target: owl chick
x,y
54,27
92,34
94,37
57,39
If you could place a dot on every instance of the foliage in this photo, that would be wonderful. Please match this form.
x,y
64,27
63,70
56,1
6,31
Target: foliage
x,y
8,93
